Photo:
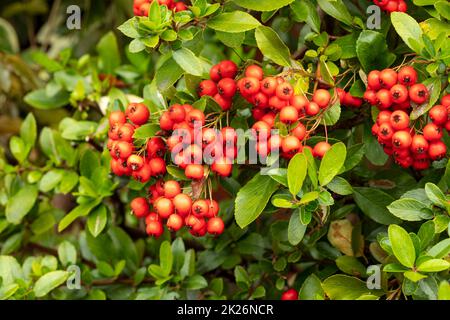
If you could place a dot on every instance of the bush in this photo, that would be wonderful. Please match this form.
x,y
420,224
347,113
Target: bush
x,y
347,199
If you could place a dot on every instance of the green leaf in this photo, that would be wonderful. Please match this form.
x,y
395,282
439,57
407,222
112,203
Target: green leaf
x,y
77,130
253,198
129,28
233,40
272,46
233,22
332,162
18,148
443,7
305,11
337,10
296,173
409,209
108,51
332,114
296,229
40,100
434,88
43,223
67,253
89,163
312,289
50,180
168,74
433,265
354,155
166,257
188,61
28,131
436,195
402,245
351,266
146,131
408,29
340,186
188,268
97,220
79,211
440,249
347,44
266,5
21,203
10,270
372,51
414,276
136,45
49,281
196,282
48,146
279,175
342,287
373,203
444,291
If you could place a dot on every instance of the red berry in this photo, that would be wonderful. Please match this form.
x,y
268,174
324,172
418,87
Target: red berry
x,y
171,189
320,149
439,115
155,147
227,69
407,76
135,162
284,91
384,116
179,6
214,73
226,88
164,207
182,204
194,171
255,72
157,166
152,216
269,86
122,150
260,100
388,78
222,167
419,144
138,113
195,117
117,117
290,294
385,131
165,122
418,93
322,98
126,132
312,109
140,207
288,114
215,226
373,80
437,150
299,131
207,88
174,222
432,132
224,103
249,86
276,103
143,175
399,120
299,102
213,209
370,97
402,139
445,101
384,99
291,145
177,113
399,93
200,208
155,229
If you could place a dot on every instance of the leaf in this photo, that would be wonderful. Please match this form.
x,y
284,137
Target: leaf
x,y
49,281
354,155
332,114
409,209
440,249
18,149
444,291
296,229
67,253
408,29
433,265
434,88
332,162
414,276
372,51
166,257
341,235
129,28
89,163
266,5
108,51
305,11
188,61
342,287
196,282
21,203
81,210
97,220
50,180
28,131
436,195
168,74
296,173
373,202
40,100
10,270
351,266
253,198
402,245
146,131
337,10
272,46
233,40
340,186
443,7
311,289
233,22
48,146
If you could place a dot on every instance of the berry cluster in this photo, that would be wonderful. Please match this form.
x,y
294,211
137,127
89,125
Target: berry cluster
x,y
391,5
274,99
169,203
347,100
141,7
221,85
394,93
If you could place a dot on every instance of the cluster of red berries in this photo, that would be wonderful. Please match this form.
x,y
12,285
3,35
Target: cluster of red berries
x,y
176,209
169,203
221,85
394,93
141,7
274,99
193,142
391,5
125,160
